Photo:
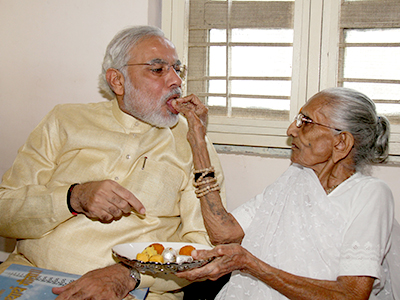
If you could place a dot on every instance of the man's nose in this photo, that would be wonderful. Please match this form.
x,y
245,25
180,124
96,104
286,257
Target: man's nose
x,y
173,77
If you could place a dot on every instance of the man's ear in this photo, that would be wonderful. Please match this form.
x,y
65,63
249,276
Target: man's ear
x,y
116,81
343,145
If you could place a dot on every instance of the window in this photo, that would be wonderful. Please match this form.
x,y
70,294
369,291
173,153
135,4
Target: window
x,y
255,63
369,53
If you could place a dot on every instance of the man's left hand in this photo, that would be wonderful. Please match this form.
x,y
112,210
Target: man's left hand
x,y
111,283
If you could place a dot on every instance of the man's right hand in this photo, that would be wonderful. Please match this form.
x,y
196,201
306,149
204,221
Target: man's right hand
x,y
104,200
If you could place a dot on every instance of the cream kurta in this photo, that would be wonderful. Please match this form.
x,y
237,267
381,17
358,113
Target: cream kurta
x,y
90,142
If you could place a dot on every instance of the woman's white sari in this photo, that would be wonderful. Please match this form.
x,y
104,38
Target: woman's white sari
x,y
294,226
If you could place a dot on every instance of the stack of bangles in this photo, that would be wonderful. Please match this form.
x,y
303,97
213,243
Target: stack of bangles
x,y
205,181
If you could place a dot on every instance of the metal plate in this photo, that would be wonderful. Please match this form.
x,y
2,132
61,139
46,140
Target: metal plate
x,y
126,253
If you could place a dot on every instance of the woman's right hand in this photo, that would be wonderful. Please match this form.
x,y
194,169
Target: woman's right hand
x,y
227,258
191,107
196,114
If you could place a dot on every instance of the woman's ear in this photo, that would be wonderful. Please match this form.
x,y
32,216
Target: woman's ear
x,y
343,145
116,81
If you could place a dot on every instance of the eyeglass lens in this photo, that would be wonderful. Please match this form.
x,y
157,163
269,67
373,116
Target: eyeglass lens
x,y
163,68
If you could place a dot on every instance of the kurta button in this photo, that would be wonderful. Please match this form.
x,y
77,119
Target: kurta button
x,y
128,157
116,178
137,124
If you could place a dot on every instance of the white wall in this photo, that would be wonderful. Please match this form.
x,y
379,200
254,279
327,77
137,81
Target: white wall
x,y
247,176
51,52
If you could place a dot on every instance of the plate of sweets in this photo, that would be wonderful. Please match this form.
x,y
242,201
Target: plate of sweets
x,y
160,257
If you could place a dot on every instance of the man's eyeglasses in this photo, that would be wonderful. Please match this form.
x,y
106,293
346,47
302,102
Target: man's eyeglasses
x,y
301,119
162,68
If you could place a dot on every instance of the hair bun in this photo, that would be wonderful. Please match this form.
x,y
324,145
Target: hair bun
x,y
382,139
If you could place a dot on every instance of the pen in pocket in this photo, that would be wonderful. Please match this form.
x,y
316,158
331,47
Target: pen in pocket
x,y
144,162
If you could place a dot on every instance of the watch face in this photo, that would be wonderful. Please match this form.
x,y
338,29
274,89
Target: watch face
x,y
135,275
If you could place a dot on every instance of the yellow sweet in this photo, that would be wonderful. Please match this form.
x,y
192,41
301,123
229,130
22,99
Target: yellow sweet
x,y
150,251
158,247
157,258
147,254
142,257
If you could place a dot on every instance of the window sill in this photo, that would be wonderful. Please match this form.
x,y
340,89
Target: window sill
x,y
393,160
250,150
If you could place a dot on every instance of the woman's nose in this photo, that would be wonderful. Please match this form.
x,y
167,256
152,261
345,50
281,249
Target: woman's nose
x,y
292,129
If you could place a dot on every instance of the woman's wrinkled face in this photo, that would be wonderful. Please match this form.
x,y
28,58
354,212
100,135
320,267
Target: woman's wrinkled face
x,y
312,144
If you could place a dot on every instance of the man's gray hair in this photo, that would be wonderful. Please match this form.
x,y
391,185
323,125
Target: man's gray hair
x,y
118,52
354,112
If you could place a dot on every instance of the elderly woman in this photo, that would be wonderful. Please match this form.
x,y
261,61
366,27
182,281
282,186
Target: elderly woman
x,y
323,230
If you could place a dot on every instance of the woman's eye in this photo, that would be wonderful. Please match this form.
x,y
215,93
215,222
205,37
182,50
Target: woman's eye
x,y
307,121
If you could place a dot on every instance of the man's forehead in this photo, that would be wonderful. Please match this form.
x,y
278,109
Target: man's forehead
x,y
155,49
162,61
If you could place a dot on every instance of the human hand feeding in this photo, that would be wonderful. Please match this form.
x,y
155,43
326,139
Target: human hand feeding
x,y
191,106
196,114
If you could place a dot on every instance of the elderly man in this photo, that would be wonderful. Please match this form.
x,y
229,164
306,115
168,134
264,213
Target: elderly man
x,y
92,176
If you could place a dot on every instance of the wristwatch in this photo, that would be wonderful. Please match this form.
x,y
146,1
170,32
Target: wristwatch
x,y
135,275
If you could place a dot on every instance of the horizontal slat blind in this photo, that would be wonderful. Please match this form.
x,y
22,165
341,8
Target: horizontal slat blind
x,y
370,14
205,16
249,108
247,14
370,43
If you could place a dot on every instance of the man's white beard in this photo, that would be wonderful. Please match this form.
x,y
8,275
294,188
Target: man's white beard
x,y
136,104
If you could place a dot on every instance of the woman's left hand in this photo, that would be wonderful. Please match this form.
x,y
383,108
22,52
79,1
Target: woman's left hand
x,y
228,258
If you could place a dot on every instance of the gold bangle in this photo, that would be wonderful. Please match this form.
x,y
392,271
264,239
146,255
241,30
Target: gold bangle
x,y
203,182
207,191
208,170
200,174
209,188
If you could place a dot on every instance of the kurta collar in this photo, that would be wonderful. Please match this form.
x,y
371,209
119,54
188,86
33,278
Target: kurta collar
x,y
129,123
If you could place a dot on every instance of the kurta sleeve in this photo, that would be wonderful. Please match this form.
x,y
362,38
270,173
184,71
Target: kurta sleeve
x,y
28,207
367,235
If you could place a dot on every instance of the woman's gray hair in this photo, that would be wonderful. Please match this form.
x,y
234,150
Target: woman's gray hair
x,y
354,112
118,52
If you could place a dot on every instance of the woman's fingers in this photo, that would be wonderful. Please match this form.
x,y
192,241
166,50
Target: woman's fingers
x,y
191,105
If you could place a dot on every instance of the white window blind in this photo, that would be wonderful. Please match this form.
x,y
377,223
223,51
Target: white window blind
x,y
369,53
255,63
240,65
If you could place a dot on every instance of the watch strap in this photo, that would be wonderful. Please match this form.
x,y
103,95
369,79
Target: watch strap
x,y
135,275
